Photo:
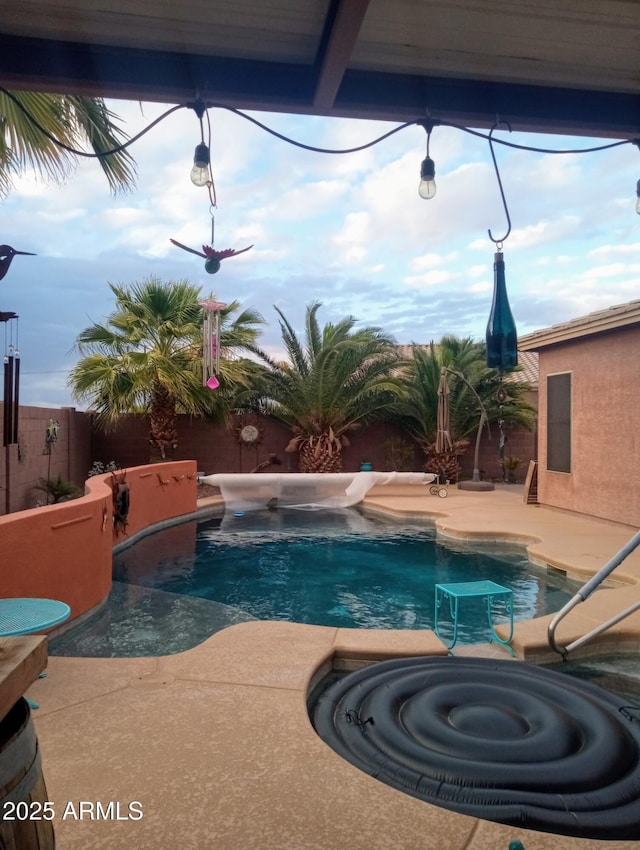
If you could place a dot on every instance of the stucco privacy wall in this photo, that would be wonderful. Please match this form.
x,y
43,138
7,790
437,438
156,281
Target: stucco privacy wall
x,y
64,551
29,459
215,448
605,432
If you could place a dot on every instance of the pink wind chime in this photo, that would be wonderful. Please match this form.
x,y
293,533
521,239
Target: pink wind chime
x,y
211,342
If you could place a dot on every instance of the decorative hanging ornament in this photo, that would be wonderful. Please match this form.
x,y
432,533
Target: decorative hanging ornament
x,y
211,342
502,336
11,405
7,253
212,257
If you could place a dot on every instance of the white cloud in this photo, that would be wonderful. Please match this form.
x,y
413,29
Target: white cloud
x,y
432,278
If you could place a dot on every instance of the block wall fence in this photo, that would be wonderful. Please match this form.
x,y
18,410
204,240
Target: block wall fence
x,y
214,448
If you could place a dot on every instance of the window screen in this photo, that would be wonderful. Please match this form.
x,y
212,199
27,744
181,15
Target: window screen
x,y
559,422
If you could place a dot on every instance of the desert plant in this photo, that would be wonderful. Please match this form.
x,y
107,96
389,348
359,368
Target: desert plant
x,y
99,468
509,466
57,489
336,380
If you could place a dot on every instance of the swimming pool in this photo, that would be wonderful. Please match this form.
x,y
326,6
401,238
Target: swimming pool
x,y
345,568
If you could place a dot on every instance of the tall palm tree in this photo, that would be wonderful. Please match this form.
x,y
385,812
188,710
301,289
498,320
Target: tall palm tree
x,y
148,358
337,380
73,121
469,379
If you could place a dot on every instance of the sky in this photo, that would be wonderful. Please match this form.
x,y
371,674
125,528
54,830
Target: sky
x,y
347,230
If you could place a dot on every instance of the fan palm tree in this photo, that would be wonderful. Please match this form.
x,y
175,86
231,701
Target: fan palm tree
x,y
469,380
148,358
334,382
72,121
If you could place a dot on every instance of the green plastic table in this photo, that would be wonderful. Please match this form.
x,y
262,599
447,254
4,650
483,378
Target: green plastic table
x,y
464,589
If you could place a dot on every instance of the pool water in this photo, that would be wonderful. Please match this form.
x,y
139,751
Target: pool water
x,y
618,674
345,568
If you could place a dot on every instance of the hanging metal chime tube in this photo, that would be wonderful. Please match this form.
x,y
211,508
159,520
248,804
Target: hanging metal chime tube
x,y
9,400
16,397
206,349
502,336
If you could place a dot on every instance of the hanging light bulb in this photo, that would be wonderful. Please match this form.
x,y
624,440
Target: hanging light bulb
x,y
502,336
427,187
200,170
638,197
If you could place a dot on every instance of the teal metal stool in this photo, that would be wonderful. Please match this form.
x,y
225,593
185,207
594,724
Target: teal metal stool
x,y
462,590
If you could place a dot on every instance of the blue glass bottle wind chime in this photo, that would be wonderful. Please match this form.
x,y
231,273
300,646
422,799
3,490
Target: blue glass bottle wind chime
x,y
501,336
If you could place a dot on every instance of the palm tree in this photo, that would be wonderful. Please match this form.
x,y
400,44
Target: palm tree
x,y
148,358
73,121
469,379
336,381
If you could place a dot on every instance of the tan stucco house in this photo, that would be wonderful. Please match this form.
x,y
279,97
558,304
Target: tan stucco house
x,y
589,413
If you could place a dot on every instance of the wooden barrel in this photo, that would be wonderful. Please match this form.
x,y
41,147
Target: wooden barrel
x,y
25,823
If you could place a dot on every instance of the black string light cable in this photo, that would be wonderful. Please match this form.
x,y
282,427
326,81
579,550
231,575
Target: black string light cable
x,y
312,148
87,154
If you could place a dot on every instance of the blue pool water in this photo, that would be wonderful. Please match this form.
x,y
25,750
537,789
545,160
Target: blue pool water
x,y
344,568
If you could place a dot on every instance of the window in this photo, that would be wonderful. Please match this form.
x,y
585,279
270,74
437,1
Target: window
x,y
559,422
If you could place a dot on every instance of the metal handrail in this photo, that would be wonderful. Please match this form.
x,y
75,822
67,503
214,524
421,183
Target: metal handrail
x,y
586,591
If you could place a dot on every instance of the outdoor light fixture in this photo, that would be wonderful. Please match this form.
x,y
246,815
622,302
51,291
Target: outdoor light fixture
x,y
201,161
427,187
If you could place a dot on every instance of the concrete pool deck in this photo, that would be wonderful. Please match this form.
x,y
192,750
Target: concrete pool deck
x,y
216,745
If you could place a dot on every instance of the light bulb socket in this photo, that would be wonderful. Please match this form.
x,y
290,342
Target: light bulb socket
x,y
428,169
201,157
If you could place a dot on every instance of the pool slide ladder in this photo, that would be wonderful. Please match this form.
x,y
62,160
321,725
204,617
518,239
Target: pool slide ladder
x,y
586,591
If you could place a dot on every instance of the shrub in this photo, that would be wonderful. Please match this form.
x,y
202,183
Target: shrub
x,y
99,468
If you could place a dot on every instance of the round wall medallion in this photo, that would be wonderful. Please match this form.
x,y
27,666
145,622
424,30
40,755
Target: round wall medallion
x,y
249,434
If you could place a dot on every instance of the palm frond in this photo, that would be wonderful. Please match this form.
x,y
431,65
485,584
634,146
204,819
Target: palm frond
x,y
74,122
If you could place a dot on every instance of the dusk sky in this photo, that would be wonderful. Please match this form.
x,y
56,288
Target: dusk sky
x,y
349,231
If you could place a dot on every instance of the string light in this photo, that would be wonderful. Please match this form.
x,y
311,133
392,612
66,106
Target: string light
x,y
427,188
201,163
427,170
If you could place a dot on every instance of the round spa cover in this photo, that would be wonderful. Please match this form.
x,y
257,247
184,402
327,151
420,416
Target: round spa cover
x,y
500,740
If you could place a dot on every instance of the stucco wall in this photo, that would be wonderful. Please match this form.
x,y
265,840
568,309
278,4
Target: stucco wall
x,y
29,459
216,447
64,551
605,436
